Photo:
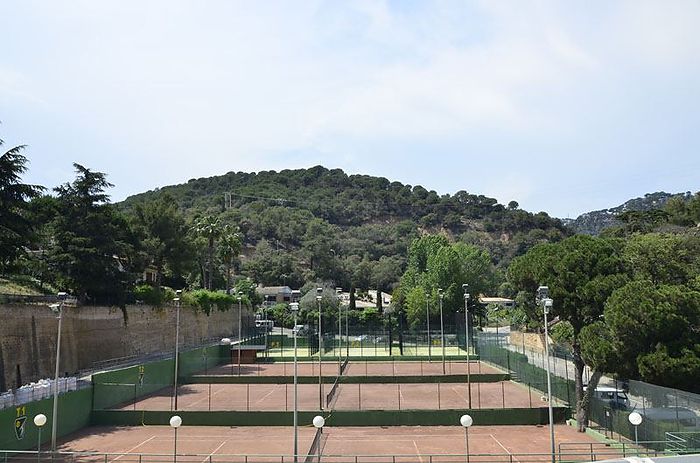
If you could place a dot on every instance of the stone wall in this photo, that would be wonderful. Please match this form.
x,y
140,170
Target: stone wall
x,y
96,334
531,341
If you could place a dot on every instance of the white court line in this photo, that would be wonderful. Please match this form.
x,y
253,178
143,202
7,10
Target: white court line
x,y
499,443
204,398
274,389
212,453
458,394
134,448
417,451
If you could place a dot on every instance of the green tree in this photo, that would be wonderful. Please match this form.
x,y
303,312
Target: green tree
x,y
435,263
15,228
164,238
581,272
229,248
209,228
653,334
93,245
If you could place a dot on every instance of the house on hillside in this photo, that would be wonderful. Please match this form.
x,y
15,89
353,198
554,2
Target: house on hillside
x,y
272,295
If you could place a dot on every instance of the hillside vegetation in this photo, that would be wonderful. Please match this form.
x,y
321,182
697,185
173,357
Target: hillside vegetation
x,y
309,224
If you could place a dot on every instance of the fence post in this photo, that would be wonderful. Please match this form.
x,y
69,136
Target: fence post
x,y
359,396
478,392
529,393
438,388
247,397
398,389
503,395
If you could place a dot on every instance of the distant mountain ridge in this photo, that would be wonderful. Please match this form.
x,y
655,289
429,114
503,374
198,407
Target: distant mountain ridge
x,y
594,222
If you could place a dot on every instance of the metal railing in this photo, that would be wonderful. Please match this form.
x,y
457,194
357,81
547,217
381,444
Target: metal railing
x,y
583,455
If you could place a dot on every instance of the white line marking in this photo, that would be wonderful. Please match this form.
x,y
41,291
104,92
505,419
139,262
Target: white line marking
x,y
499,443
206,396
417,451
458,394
274,389
134,448
212,453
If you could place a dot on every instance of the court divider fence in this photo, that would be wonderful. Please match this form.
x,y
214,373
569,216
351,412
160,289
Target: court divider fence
x,y
486,417
341,393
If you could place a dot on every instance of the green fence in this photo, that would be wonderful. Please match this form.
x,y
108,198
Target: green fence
x,y
522,370
485,417
115,387
17,429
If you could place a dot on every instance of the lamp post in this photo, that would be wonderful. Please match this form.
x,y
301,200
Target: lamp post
x,y
58,309
427,319
39,421
320,350
442,330
543,299
318,422
294,307
466,421
465,287
338,293
175,422
240,322
347,331
635,419
176,300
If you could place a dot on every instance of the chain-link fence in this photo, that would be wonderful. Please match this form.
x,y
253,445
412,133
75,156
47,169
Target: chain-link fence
x,y
522,369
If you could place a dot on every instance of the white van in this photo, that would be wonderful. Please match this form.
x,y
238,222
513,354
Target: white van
x,y
615,398
266,324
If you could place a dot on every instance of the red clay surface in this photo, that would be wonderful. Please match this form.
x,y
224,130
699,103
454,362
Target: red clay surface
x,y
357,368
386,396
257,444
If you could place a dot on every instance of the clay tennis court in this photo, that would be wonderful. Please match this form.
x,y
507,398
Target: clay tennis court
x,y
387,396
356,368
362,444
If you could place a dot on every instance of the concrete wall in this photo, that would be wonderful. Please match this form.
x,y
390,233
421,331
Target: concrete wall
x,y
95,334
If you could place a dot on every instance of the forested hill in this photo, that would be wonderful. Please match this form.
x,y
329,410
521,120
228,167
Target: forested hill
x,y
363,219
594,222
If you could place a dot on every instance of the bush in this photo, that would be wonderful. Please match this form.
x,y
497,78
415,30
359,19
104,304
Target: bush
x,y
152,296
206,300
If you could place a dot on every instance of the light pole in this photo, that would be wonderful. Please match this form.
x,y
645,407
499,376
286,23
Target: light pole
x,y
318,422
175,422
320,350
442,330
465,287
240,322
39,421
294,307
339,293
635,419
543,299
466,421
427,319
347,331
176,300
57,308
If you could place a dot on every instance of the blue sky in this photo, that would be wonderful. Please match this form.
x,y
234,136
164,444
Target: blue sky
x,y
565,107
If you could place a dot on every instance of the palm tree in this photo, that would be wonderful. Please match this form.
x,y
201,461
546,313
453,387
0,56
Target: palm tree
x,y
230,246
209,228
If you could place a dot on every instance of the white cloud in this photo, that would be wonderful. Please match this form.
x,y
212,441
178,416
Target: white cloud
x,y
187,89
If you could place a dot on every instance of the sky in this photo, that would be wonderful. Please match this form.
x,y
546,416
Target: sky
x,y
563,106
